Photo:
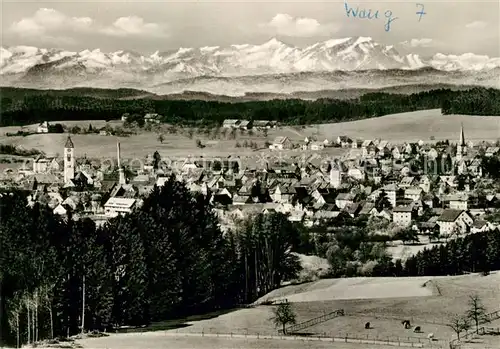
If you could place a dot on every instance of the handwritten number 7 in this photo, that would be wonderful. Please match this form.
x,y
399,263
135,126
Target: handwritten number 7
x,y
421,13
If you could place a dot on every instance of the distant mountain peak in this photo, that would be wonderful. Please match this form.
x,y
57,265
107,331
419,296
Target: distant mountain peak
x,y
271,57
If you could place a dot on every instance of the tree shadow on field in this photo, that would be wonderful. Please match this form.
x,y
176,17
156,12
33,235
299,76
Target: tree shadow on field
x,y
301,334
177,323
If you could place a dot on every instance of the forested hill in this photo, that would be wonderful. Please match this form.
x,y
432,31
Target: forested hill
x,y
54,106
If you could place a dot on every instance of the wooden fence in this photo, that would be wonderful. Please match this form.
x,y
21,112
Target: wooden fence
x,y
314,321
456,343
386,341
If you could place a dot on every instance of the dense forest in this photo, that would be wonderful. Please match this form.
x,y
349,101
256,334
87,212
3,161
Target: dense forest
x,y
31,108
155,264
151,265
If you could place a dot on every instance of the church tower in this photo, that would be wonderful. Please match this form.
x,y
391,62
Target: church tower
x,y
121,174
69,160
461,147
336,174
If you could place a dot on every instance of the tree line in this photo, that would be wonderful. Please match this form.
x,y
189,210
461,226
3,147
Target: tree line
x,y
60,276
31,108
353,250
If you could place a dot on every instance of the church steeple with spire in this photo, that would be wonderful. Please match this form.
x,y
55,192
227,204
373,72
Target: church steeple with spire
x,y
121,174
462,146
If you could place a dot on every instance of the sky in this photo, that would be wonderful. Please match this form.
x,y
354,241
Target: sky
x,y
450,27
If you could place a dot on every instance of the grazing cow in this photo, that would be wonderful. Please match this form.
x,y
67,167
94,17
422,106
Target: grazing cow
x,y
367,326
417,329
406,324
430,336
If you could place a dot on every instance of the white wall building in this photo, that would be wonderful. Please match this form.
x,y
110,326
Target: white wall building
x,y
402,216
43,127
118,206
454,221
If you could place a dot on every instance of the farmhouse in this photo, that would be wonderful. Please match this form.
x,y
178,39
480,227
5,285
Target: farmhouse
x,y
317,146
281,143
43,127
152,118
344,141
454,222
245,125
262,124
231,123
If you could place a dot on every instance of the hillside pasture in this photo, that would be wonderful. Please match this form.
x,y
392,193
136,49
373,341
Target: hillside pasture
x,y
396,128
419,125
173,146
428,302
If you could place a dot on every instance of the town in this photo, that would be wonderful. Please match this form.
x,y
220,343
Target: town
x,y
438,190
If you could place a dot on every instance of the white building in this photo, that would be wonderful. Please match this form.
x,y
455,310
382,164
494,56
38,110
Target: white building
x,y
454,221
458,202
336,173
317,146
402,216
281,143
152,118
413,193
231,123
41,165
118,206
344,199
43,127
61,210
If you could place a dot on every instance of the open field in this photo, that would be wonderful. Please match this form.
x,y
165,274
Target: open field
x,y
385,302
174,146
419,125
397,128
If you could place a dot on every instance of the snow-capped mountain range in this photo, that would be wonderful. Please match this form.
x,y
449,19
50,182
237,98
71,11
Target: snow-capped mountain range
x,y
55,68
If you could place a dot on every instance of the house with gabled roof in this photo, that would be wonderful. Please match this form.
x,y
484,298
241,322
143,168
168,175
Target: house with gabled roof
x,y
62,209
43,127
344,141
368,209
398,152
413,193
458,201
344,199
281,143
385,214
245,125
454,222
262,124
152,118
492,151
231,123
